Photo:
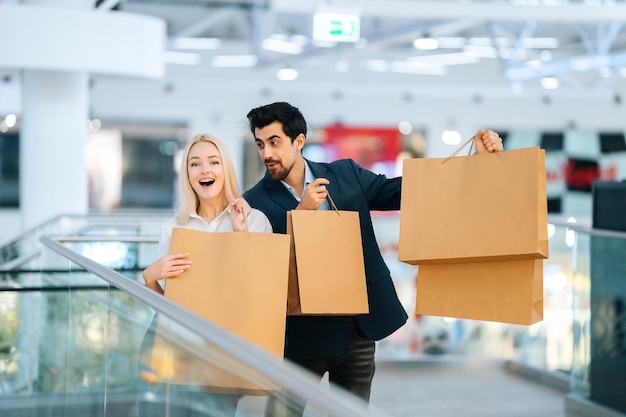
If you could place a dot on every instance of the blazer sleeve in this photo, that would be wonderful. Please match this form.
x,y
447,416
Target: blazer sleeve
x,y
381,192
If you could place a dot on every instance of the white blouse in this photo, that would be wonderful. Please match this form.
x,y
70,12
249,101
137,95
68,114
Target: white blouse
x,y
255,222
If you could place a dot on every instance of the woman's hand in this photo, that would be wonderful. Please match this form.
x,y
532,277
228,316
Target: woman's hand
x,y
488,141
239,212
168,266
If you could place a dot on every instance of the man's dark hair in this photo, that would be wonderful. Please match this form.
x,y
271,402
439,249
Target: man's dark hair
x,y
291,118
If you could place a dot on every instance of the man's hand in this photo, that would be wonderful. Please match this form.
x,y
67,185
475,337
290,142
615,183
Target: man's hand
x,y
488,141
314,195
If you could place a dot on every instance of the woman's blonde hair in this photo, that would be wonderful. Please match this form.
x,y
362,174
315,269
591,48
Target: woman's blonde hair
x,y
187,201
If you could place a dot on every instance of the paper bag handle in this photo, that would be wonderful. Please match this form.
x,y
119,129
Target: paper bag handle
x,y
245,225
332,205
472,140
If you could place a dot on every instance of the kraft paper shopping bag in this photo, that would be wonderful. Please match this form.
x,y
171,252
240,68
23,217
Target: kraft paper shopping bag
x,y
327,273
474,208
236,283
500,291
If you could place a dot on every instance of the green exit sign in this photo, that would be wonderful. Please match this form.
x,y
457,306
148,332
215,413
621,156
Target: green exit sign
x,y
336,27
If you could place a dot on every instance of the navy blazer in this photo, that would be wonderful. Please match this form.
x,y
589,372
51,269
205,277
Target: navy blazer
x,y
356,189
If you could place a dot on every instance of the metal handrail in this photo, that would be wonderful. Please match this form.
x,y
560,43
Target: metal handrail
x,y
592,231
14,263
107,238
281,372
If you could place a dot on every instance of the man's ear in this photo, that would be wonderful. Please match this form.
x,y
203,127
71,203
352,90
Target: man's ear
x,y
299,142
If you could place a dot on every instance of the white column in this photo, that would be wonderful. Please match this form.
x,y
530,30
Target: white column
x,y
53,174
57,44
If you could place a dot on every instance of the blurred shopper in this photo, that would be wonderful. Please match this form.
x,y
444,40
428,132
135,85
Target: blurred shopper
x,y
340,345
208,200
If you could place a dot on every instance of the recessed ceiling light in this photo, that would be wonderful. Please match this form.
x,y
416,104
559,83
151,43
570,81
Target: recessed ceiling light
x,y
287,74
426,44
234,61
196,43
550,83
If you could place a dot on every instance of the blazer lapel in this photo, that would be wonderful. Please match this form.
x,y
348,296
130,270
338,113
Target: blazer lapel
x,y
321,171
277,192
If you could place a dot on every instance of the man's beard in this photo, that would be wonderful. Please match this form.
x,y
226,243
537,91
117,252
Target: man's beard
x,y
280,173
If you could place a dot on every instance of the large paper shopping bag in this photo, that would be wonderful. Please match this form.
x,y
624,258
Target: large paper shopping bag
x,y
501,291
235,282
474,208
327,273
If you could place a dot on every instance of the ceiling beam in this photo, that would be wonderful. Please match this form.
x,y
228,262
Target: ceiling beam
x,y
463,10
576,64
205,23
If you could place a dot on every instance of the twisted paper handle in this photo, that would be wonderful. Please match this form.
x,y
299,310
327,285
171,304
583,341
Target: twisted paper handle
x,y
332,205
472,140
226,213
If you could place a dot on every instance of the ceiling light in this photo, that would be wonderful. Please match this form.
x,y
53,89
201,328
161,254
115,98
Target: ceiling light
x,y
425,68
456,58
234,61
196,43
287,74
550,83
451,42
426,43
182,58
405,127
451,137
481,51
282,46
480,41
10,120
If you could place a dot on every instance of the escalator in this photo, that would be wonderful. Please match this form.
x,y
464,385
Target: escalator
x,y
80,335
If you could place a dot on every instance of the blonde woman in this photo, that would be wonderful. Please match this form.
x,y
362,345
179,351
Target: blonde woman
x,y
208,200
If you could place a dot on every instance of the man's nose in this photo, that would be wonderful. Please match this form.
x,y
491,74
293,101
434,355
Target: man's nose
x,y
266,153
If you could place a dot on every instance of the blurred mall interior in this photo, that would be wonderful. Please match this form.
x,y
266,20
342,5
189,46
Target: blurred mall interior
x,y
97,101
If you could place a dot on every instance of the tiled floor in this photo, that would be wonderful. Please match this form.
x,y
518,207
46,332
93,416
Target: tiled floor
x,y
468,388
444,386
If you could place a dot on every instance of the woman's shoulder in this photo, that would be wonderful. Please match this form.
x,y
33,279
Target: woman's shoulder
x,y
260,220
256,213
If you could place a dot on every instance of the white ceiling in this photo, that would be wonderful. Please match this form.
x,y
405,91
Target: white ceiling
x,y
495,47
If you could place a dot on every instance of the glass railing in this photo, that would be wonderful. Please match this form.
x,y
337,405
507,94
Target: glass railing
x,y
599,322
80,338
75,326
